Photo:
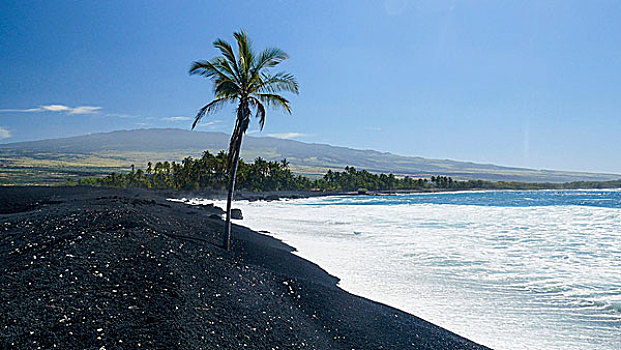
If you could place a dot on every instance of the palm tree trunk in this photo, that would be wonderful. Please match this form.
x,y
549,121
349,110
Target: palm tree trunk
x,y
229,201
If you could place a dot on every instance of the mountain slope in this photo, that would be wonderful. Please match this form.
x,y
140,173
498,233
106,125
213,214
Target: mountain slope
x,y
113,151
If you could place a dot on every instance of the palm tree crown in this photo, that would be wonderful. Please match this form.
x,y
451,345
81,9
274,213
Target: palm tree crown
x,y
244,80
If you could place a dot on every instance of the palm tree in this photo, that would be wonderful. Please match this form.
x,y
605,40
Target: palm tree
x,y
245,80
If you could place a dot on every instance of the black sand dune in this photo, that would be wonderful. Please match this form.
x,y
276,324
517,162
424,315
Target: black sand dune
x,y
108,269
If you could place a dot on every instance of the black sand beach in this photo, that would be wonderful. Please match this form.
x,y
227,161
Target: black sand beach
x,y
109,269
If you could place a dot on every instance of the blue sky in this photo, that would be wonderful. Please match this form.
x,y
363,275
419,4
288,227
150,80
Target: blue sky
x,y
522,83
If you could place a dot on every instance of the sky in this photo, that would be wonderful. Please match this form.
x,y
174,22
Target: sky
x,y
532,84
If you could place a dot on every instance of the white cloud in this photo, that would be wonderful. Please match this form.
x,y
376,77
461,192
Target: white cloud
x,y
174,119
4,133
84,110
287,135
56,108
122,115
210,125
30,110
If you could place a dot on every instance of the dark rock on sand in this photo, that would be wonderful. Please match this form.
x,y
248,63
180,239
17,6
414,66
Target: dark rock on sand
x,y
88,268
236,214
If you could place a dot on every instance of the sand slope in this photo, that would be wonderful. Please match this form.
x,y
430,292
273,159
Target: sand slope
x,y
109,269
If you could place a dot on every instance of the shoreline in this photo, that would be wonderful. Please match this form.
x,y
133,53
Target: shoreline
x,y
279,195
138,269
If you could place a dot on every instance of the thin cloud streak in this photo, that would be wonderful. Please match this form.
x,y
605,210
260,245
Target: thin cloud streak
x,y
210,125
31,110
287,135
84,110
174,119
122,115
56,108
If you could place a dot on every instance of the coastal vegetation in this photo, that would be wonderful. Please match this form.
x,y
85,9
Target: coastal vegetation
x,y
243,79
210,172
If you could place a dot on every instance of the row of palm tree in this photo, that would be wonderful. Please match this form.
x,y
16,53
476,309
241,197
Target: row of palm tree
x,y
210,172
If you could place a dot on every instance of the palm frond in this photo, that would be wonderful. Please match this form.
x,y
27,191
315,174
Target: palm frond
x,y
223,64
274,100
277,82
226,89
267,59
208,70
260,111
227,51
209,108
246,56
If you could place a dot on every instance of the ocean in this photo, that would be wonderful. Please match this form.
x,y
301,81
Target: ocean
x,y
507,269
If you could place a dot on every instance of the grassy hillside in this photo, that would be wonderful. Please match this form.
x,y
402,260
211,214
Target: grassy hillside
x,y
49,161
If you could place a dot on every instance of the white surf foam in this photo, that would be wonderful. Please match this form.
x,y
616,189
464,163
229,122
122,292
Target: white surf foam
x,y
506,277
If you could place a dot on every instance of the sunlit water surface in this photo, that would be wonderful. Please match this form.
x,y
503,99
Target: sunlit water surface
x,y
507,269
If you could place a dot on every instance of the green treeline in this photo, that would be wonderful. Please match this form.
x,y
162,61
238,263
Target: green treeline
x,y
210,172
207,172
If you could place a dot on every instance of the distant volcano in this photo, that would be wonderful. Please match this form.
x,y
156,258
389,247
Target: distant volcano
x,y
98,153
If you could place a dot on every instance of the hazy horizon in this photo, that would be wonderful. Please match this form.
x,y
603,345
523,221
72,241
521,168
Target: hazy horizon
x,y
520,85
